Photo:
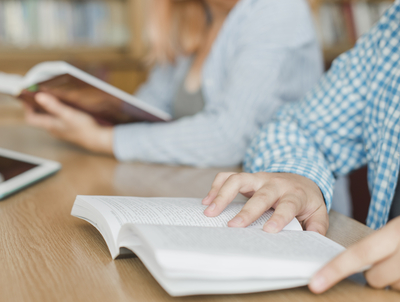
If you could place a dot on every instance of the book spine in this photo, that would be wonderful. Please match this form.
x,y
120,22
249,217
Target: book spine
x,y
2,30
349,22
340,23
63,23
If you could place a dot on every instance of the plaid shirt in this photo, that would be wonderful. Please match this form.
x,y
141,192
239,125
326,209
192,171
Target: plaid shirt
x,y
350,119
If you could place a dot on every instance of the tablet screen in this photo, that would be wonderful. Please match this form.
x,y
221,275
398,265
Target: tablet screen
x,y
10,168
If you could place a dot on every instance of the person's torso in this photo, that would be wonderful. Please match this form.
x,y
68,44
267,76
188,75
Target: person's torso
x,y
187,103
381,116
233,38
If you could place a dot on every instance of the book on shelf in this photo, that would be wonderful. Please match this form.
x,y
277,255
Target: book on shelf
x,y
76,88
189,253
343,22
58,24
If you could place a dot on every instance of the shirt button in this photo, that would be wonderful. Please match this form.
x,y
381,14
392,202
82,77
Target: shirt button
x,y
397,155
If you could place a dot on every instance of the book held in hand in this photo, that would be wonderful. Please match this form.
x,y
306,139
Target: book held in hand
x,y
76,88
189,253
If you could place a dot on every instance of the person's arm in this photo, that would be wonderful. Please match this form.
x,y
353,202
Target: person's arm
x,y
273,45
316,139
321,136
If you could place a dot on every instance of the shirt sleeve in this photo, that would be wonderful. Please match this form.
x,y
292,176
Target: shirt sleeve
x,y
321,136
275,47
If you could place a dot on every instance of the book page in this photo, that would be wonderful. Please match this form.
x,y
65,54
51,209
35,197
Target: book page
x,y
10,83
169,211
233,253
195,286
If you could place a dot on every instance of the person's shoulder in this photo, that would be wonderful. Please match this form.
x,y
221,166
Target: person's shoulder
x,y
383,40
389,23
281,20
391,14
274,7
285,4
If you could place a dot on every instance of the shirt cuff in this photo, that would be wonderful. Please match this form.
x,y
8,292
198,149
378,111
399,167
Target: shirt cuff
x,y
128,141
320,175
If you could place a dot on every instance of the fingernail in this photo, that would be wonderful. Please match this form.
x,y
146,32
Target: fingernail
x,y
271,227
205,199
236,221
211,207
318,283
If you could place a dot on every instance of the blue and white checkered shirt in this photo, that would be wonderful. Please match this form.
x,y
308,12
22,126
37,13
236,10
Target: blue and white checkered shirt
x,y
350,119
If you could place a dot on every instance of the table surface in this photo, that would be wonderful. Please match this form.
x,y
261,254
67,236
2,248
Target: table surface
x,y
48,255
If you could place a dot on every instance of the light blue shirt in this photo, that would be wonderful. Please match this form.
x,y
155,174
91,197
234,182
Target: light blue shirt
x,y
350,119
265,55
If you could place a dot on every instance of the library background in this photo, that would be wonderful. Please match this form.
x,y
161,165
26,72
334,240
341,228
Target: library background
x,y
106,38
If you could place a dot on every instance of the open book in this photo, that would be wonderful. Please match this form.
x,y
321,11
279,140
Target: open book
x,y
106,103
189,253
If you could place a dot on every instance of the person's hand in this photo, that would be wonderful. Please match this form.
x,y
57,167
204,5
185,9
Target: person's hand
x,y
70,124
381,250
291,195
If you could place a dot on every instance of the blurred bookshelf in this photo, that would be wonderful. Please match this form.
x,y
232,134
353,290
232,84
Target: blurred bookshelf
x,y
340,23
105,37
102,37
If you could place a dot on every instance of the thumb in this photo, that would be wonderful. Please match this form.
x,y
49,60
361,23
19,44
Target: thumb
x,y
318,221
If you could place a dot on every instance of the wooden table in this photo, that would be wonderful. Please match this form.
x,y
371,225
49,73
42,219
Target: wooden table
x,y
47,255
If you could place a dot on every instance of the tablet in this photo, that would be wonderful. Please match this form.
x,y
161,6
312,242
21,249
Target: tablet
x,y
18,170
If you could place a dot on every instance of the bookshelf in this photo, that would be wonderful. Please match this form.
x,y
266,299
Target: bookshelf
x,y
118,62
337,21
340,23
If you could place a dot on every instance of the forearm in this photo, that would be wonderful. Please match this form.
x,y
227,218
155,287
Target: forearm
x,y
187,142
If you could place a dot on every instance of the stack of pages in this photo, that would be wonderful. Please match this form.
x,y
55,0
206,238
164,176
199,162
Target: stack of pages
x,y
189,253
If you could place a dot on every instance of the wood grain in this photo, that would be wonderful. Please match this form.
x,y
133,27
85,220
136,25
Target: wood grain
x,y
47,255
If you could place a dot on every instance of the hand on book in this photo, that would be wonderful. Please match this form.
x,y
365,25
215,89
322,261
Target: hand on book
x,y
381,250
70,124
289,194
